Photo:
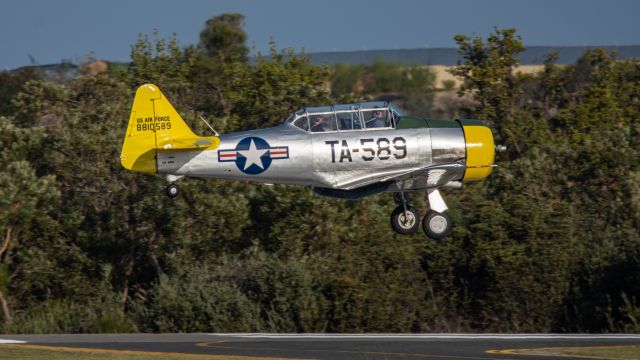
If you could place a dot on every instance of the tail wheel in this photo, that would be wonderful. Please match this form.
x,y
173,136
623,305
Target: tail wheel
x,y
437,225
405,222
172,190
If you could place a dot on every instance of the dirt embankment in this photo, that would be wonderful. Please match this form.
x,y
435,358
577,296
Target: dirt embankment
x,y
444,80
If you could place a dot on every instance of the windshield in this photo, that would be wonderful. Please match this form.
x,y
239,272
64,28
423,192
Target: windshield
x,y
396,110
342,117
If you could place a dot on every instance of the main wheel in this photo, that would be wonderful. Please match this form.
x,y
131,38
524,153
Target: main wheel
x,y
436,225
405,223
172,190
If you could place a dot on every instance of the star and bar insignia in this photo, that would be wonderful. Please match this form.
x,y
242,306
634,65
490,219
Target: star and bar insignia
x,y
253,155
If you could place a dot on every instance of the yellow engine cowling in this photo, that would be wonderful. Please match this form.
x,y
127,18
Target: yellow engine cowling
x,y
480,150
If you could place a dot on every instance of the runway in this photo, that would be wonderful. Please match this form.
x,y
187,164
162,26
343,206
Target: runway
x,y
331,346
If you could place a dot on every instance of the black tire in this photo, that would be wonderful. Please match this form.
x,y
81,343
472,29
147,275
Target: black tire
x,y
405,224
172,190
436,225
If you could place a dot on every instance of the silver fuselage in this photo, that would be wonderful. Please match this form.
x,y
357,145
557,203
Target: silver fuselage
x,y
338,160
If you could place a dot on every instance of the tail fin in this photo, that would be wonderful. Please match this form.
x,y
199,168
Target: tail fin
x,y
154,125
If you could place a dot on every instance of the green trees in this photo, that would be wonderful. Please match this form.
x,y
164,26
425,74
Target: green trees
x,y
263,94
10,85
489,76
601,129
411,87
548,243
224,38
570,130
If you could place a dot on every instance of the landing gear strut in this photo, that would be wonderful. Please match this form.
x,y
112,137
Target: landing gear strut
x,y
436,224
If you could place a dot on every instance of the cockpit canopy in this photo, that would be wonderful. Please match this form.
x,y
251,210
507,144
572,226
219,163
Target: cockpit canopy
x,y
346,117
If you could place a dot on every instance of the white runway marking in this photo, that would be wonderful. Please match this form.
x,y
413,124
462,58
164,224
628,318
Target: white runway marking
x,y
4,341
434,336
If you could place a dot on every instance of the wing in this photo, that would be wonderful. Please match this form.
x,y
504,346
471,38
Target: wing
x,y
428,177
431,176
419,178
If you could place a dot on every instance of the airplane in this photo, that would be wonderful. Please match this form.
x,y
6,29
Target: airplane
x,y
345,151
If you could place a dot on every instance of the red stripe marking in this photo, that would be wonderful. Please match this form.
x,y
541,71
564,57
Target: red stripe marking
x,y
278,152
227,155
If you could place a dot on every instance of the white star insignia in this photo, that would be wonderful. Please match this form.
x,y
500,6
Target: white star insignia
x,y
253,155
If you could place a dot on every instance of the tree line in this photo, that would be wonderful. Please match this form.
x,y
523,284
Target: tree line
x,y
550,242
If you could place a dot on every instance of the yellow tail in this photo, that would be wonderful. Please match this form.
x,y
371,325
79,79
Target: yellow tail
x,y
154,125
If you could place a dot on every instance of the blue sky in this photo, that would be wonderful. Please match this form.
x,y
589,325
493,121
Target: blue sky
x,y
51,31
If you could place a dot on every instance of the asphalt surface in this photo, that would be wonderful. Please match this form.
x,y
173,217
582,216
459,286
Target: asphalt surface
x,y
332,346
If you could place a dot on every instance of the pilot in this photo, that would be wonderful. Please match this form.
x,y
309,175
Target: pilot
x,y
378,119
319,124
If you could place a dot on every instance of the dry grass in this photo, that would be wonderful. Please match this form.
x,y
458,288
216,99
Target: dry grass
x,y
443,75
604,352
623,352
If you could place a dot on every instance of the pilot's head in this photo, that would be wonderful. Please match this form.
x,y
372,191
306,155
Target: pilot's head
x,y
318,120
378,114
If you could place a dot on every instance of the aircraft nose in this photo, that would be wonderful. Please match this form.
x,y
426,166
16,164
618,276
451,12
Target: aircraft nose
x,y
480,150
